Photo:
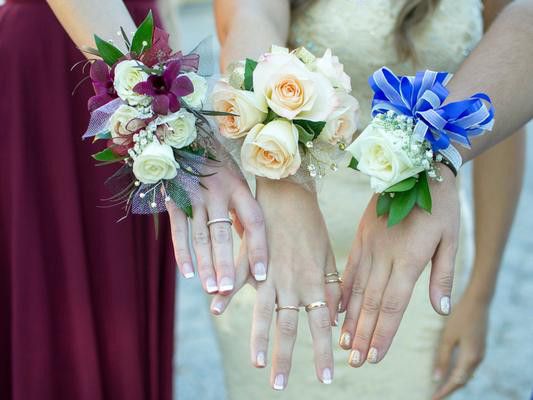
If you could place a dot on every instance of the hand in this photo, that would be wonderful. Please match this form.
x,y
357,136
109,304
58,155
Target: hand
x,y
385,263
465,331
227,193
300,257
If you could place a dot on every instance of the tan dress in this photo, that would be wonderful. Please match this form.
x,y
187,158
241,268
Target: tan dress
x,y
360,32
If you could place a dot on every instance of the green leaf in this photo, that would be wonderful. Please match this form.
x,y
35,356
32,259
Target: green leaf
x,y
271,116
401,205
180,197
249,67
314,127
383,205
303,135
423,199
109,53
143,34
353,163
107,155
403,186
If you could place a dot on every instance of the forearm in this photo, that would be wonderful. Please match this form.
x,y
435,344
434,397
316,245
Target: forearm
x,y
82,19
500,67
497,185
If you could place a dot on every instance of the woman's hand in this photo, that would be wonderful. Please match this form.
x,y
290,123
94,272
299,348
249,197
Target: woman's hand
x,y
226,193
465,332
385,263
300,257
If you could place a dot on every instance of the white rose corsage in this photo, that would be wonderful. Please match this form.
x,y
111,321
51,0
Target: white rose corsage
x,y
287,112
411,133
148,106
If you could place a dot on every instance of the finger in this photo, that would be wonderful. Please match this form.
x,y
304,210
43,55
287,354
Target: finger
x,y
179,227
220,302
443,359
285,336
320,326
348,276
222,248
251,218
359,281
368,317
459,376
332,290
201,241
236,223
261,321
393,305
441,280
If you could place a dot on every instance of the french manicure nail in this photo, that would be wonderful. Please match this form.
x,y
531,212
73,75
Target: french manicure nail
x,y
226,284
217,308
260,272
346,340
372,355
326,376
445,305
279,382
211,285
260,359
188,271
355,358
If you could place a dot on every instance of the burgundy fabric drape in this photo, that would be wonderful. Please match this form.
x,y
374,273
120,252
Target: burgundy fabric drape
x,y
86,303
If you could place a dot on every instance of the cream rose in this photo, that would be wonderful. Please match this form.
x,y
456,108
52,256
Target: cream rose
x,y
271,150
382,157
247,111
329,66
123,123
177,129
197,98
128,74
291,89
156,162
343,121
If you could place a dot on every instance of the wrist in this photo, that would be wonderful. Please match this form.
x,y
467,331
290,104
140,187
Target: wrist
x,y
480,295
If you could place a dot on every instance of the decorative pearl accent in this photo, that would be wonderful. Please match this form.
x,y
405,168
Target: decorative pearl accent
x,y
153,205
141,195
137,183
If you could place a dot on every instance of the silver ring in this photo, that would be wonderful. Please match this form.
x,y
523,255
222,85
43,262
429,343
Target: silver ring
x,y
219,220
314,305
292,308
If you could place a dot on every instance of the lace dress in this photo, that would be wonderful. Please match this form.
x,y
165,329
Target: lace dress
x,y
361,33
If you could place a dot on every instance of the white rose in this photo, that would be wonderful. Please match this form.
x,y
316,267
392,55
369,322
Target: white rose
x,y
343,121
177,129
292,90
197,98
247,111
128,74
156,162
382,157
123,123
271,150
329,66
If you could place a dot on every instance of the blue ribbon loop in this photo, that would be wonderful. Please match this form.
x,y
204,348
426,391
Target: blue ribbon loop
x,y
422,97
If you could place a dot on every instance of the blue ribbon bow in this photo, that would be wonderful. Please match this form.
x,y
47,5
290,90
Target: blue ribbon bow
x,y
421,97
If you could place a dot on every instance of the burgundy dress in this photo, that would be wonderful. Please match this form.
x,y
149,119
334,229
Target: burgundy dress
x,y
86,303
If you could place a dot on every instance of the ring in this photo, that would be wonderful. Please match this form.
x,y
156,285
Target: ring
x,y
331,274
292,308
315,305
334,280
218,220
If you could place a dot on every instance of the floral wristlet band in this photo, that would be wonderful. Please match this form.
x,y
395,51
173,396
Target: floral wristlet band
x,y
148,106
412,131
289,114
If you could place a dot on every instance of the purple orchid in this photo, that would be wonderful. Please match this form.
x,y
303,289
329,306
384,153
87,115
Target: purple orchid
x,y
102,80
166,89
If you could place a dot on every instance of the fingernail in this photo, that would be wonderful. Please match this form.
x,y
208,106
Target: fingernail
x,y
279,382
336,322
188,271
340,309
437,376
260,360
445,305
226,285
372,355
211,285
260,272
346,340
355,358
217,308
326,376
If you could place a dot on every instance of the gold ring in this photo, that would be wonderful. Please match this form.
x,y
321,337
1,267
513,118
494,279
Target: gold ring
x,y
219,220
331,274
334,280
315,305
292,308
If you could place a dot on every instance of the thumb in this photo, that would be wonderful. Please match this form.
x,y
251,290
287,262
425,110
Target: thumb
x,y
442,272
